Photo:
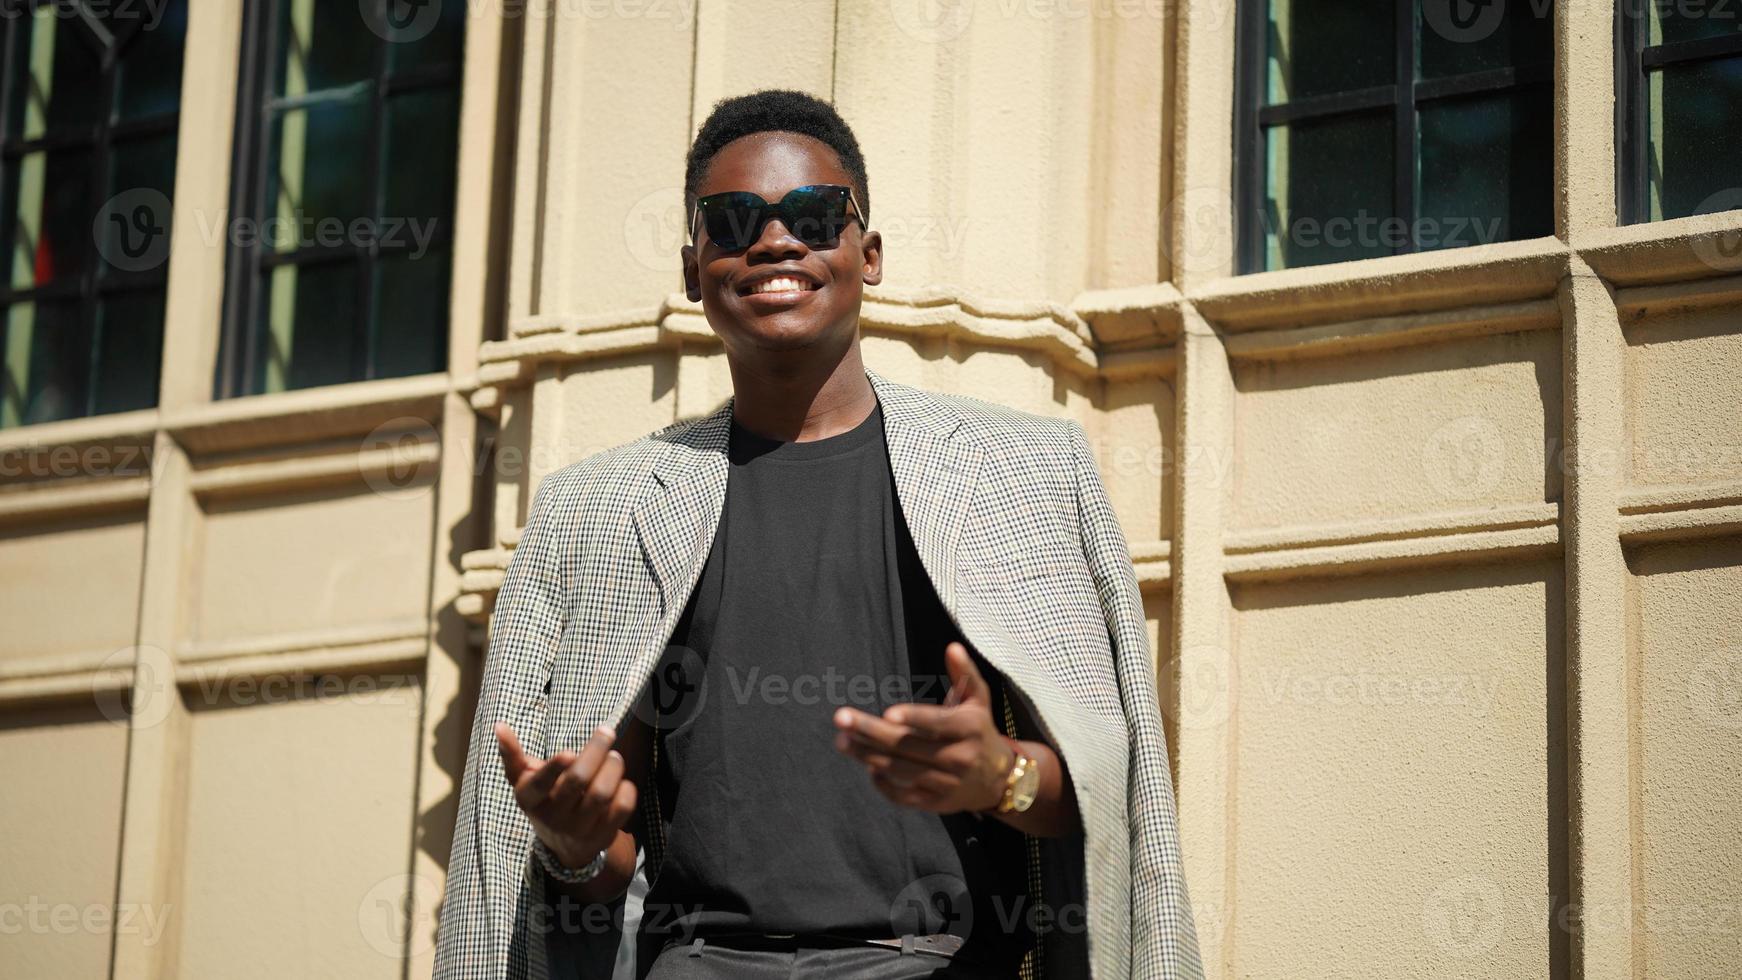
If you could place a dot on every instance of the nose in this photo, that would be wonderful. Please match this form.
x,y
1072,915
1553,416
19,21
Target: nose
x,y
776,242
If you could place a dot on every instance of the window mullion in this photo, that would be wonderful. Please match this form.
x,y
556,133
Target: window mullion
x,y
1404,124
366,351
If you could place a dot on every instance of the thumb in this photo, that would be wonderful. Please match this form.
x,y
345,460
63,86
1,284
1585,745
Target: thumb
x,y
966,684
513,757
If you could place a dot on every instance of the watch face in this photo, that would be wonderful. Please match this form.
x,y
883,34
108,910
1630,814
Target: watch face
x,y
1027,785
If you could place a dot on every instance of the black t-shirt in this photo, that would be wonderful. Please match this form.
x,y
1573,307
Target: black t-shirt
x,y
813,596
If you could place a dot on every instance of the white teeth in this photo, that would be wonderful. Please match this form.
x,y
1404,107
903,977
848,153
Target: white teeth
x,y
782,285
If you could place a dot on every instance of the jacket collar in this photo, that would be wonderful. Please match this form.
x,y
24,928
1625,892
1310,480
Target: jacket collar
x,y
935,470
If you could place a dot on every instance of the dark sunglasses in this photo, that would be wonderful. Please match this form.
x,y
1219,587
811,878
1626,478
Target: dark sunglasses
x,y
816,214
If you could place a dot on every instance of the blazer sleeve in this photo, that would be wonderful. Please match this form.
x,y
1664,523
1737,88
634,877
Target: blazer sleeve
x,y
1163,934
488,908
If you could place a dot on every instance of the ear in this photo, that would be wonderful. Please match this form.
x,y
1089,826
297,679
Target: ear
x,y
871,244
692,274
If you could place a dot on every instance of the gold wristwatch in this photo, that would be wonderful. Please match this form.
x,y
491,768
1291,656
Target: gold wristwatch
x,y
1023,782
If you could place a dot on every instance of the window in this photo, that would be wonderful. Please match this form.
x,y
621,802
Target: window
x,y
1679,66
89,93
1374,127
342,195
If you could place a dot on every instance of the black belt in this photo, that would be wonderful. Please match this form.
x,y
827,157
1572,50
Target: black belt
x,y
941,944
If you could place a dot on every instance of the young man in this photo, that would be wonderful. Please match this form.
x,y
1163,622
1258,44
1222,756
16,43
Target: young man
x,y
860,669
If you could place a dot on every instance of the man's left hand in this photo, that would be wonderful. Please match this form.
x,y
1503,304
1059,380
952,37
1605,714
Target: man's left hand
x,y
942,758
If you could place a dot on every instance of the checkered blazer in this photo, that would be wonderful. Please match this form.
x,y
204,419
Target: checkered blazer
x,y
1013,525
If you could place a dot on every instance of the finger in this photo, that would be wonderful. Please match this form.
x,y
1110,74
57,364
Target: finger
x,y
965,675
572,785
622,805
602,789
533,790
514,762
593,753
906,795
940,723
886,736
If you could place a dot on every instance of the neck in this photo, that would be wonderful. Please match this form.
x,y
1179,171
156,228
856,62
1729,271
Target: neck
x,y
803,399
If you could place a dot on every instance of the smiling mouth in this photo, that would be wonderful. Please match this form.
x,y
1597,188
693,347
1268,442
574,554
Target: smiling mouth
x,y
778,285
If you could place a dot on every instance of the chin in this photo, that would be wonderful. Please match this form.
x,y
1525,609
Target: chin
x,y
781,333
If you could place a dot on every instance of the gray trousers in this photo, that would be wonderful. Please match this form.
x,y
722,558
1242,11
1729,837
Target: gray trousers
x,y
712,961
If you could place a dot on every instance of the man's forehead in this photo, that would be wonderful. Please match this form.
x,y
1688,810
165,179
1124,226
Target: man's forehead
x,y
772,163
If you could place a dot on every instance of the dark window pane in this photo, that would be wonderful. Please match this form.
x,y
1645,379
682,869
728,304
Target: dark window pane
x,y
136,218
53,81
1485,169
307,320
422,145
1694,166
1688,20
1459,36
424,35
1320,46
411,314
318,161
129,350
47,356
150,67
1330,193
322,44
48,215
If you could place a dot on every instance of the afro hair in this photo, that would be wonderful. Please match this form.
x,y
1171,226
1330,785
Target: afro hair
x,y
775,110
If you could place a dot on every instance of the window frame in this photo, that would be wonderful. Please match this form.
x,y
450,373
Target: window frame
x,y
244,262
96,281
1634,62
1404,95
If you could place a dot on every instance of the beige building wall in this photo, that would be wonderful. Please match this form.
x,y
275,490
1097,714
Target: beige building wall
x,y
1442,552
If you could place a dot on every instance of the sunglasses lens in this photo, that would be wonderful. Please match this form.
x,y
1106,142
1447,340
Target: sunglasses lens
x,y
816,215
733,219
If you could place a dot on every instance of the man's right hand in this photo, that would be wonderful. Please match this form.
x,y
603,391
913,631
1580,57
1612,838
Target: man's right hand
x,y
577,803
